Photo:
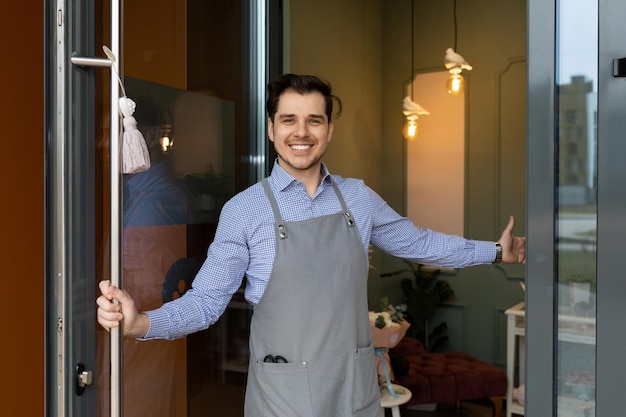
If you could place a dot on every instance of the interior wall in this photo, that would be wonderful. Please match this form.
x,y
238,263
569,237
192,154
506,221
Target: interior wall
x,y
164,59
491,35
363,48
341,41
435,160
22,213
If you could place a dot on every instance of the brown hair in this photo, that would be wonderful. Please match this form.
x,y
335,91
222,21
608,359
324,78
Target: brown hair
x,y
301,84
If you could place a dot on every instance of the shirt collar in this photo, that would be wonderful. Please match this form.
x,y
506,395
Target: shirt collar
x,y
282,179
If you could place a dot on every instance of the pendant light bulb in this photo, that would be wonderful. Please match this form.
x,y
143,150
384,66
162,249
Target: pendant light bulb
x,y
455,84
411,128
411,111
166,144
455,64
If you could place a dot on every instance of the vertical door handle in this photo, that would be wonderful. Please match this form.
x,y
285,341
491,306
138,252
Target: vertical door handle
x,y
116,337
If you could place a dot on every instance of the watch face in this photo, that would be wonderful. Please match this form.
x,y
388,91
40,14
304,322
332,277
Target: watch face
x,y
498,253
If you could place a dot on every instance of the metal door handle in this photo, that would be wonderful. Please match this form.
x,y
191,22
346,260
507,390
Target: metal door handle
x,y
116,337
619,67
82,61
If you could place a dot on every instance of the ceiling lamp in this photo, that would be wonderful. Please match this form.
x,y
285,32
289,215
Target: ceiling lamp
x,y
410,109
455,64
166,141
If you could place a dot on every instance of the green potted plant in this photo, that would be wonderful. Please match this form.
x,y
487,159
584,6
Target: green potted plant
x,y
424,293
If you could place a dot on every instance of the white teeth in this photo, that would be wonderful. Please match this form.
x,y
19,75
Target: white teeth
x,y
300,147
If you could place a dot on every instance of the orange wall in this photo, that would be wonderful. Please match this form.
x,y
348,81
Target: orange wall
x,y
22,211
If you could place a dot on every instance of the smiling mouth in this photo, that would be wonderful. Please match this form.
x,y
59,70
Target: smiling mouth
x,y
300,147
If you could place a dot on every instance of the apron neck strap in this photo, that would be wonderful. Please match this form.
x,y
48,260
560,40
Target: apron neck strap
x,y
280,224
281,232
346,213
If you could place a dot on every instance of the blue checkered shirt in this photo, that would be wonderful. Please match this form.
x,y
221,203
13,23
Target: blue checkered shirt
x,y
244,245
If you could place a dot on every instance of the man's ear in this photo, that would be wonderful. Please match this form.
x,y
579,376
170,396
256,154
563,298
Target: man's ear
x,y
270,129
331,128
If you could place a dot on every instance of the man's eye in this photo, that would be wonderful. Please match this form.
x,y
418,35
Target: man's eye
x,y
314,122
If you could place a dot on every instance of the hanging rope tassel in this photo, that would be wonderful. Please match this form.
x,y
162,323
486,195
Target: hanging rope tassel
x,y
135,155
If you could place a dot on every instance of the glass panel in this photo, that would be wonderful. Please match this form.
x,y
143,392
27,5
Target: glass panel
x,y
577,74
185,70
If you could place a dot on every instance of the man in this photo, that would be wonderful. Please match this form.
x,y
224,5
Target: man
x,y
300,237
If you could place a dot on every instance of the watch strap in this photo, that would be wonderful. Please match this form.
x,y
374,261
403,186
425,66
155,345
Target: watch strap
x,y
498,254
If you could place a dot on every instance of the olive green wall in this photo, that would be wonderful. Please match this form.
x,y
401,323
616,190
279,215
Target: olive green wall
x,y
341,41
363,48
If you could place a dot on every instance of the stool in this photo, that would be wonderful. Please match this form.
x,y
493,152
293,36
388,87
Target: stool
x,y
389,401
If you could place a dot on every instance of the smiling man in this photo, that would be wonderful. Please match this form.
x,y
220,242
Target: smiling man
x,y
301,129
300,238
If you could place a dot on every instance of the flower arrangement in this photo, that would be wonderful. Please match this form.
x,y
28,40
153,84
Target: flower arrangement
x,y
388,328
388,325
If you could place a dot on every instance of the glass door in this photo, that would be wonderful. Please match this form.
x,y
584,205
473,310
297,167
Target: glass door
x,y
576,177
196,72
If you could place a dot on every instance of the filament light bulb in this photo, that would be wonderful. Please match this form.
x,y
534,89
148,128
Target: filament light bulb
x,y
411,128
455,84
166,144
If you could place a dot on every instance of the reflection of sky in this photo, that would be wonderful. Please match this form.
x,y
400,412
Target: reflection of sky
x,y
578,37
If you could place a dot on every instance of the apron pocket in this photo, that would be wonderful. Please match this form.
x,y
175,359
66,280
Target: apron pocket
x,y
366,393
285,389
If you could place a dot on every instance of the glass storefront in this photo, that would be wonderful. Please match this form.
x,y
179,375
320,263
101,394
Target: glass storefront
x,y
215,149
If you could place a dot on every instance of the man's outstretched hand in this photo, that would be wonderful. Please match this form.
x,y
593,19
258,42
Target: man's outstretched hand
x,y
513,247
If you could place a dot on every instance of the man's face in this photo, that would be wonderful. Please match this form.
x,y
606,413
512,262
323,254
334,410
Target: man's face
x,y
300,132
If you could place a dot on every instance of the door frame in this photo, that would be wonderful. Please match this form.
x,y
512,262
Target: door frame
x,y
540,229
70,201
541,314
611,336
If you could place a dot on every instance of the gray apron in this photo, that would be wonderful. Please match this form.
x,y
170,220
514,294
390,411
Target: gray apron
x,y
314,313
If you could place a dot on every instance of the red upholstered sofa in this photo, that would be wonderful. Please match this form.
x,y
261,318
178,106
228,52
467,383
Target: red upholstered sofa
x,y
447,377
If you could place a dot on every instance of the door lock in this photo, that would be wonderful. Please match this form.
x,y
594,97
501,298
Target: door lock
x,y
83,378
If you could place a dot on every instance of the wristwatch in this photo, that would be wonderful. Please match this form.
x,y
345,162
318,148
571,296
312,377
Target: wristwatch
x,y
498,254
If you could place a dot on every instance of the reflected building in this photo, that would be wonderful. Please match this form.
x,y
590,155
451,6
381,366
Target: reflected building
x,y
577,142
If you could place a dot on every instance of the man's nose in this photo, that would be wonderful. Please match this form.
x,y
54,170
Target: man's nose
x,y
302,129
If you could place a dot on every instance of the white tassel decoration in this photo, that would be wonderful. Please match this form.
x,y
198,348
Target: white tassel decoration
x,y
135,155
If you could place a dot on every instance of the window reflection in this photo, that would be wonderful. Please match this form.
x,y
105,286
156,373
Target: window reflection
x,y
576,206
186,65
